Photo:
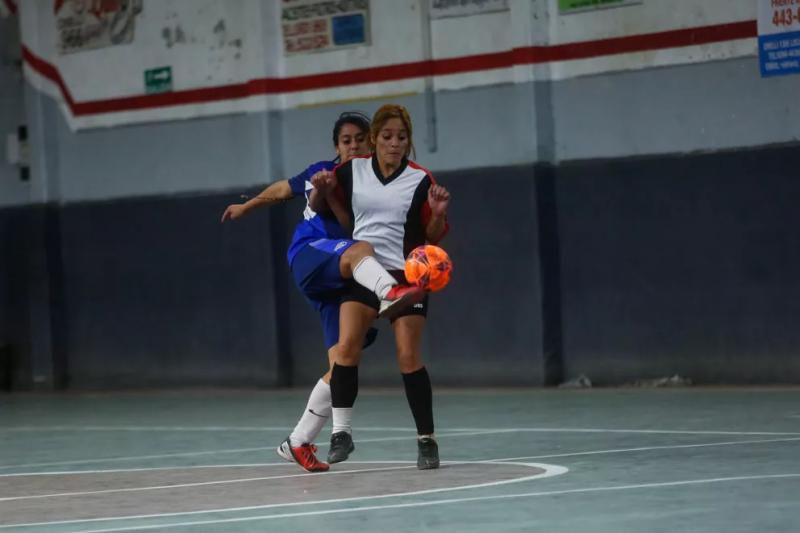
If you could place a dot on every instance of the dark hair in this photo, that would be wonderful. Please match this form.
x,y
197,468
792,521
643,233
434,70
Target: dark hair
x,y
359,120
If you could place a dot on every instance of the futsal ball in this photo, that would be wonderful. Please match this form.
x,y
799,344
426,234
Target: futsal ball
x,y
428,267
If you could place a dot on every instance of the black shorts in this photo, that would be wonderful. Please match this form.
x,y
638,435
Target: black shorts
x,y
358,293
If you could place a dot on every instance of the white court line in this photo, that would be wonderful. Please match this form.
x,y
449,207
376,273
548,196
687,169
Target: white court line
x,y
214,452
549,471
202,483
451,501
411,430
23,429
634,431
118,470
455,432
524,458
136,457
646,448
156,468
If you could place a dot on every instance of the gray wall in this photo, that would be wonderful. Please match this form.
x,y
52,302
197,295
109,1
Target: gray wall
x,y
680,109
161,159
12,111
624,253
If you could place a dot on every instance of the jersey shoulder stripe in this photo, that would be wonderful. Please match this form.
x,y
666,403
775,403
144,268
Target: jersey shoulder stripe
x,y
417,166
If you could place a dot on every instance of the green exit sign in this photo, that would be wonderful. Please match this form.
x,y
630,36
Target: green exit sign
x,y
158,80
569,6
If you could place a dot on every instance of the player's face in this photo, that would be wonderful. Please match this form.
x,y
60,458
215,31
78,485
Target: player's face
x,y
392,142
352,143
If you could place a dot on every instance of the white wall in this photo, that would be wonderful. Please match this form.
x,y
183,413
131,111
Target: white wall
x,y
250,49
651,17
491,118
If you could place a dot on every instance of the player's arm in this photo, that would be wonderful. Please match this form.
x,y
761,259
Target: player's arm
x,y
277,192
438,201
322,182
335,201
327,197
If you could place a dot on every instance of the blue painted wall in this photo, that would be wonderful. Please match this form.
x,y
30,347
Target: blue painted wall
x,y
157,291
685,264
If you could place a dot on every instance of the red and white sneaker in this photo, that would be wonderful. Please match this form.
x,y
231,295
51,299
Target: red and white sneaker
x,y
285,452
303,455
399,298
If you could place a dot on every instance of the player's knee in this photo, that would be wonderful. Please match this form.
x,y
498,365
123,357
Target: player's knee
x,y
409,360
361,249
353,255
349,351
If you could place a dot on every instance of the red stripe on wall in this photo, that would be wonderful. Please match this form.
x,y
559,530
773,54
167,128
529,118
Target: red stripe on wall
x,y
645,42
48,71
403,71
12,7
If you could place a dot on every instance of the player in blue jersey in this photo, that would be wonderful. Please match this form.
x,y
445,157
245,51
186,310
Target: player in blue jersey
x,y
323,259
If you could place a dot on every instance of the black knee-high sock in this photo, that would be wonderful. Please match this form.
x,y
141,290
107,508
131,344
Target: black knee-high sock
x,y
420,399
344,385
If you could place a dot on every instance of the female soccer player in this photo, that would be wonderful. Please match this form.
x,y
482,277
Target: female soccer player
x,y
395,205
323,258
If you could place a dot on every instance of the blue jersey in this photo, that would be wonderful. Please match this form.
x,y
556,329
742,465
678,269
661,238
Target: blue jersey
x,y
313,226
316,267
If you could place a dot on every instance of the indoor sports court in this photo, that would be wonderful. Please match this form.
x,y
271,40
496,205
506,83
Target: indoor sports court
x,y
399,265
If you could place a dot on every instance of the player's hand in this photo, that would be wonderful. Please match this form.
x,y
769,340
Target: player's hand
x,y
324,181
233,212
438,200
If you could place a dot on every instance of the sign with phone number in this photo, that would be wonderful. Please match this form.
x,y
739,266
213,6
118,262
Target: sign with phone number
x,y
779,37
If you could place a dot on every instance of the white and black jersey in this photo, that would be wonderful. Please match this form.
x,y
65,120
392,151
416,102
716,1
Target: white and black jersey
x,y
389,213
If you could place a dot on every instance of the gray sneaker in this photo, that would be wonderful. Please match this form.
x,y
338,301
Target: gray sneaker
x,y
428,456
285,450
341,447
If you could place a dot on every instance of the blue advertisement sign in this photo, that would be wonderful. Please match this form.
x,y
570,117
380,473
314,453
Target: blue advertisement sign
x,y
778,37
349,29
779,53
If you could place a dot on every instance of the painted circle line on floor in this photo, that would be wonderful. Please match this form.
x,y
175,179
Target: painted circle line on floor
x,y
101,496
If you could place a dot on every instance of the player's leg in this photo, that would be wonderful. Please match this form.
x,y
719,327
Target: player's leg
x,y
318,409
355,318
358,262
299,446
416,381
316,273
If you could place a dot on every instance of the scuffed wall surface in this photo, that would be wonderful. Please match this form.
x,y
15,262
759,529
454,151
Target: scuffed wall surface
x,y
13,191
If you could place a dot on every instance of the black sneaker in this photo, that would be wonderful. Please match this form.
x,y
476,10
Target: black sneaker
x,y
341,447
428,457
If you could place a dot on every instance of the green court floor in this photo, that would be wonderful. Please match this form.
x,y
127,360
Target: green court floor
x,y
599,461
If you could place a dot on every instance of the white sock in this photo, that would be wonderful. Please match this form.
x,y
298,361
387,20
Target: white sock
x,y
369,273
342,419
317,412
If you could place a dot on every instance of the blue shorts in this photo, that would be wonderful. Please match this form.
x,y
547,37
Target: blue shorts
x,y
315,267
316,272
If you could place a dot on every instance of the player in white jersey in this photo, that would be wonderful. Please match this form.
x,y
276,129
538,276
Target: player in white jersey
x,y
395,205
323,260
